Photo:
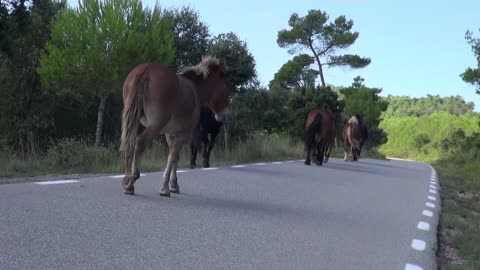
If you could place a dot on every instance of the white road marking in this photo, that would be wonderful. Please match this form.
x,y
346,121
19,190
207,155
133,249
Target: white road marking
x,y
209,169
432,198
181,171
290,161
121,176
56,182
427,213
238,166
432,191
277,162
423,226
259,164
429,204
433,187
412,267
418,245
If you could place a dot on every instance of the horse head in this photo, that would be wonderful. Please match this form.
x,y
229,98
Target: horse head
x,y
210,77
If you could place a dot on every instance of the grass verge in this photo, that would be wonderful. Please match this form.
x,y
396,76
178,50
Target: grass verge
x,y
76,157
459,232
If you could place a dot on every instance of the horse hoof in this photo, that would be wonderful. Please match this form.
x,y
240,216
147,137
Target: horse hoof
x,y
175,190
165,192
193,166
129,191
307,163
206,165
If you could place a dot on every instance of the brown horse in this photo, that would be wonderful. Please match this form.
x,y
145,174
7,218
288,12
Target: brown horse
x,y
352,138
319,134
159,101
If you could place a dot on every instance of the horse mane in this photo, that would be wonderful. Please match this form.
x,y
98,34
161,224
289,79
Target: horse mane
x,y
353,120
204,68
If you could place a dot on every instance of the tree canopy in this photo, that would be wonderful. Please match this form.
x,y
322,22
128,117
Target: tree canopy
x,y
322,39
94,46
472,75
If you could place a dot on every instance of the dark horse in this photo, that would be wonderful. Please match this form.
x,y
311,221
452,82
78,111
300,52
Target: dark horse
x,y
207,126
353,138
363,131
319,134
159,101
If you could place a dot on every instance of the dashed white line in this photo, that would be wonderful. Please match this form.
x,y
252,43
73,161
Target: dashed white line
x,y
423,226
418,245
238,166
259,164
122,175
290,161
432,191
209,169
427,213
181,171
412,267
433,187
429,204
277,162
432,198
56,182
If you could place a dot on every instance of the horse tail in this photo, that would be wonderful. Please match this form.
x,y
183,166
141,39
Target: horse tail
x,y
355,144
313,128
132,112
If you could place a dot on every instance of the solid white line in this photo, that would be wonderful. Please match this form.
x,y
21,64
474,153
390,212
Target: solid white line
x,y
209,169
277,162
432,191
181,171
259,164
412,267
56,182
423,226
238,166
429,204
432,198
418,244
427,213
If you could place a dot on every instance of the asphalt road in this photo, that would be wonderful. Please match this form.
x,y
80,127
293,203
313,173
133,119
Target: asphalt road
x,y
366,215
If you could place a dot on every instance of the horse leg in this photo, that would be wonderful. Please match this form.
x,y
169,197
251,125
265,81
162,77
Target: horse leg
x,y
194,145
193,160
318,157
206,145
309,145
144,139
170,173
128,179
206,155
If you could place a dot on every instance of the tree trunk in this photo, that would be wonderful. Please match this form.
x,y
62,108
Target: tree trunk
x,y
225,136
320,71
101,111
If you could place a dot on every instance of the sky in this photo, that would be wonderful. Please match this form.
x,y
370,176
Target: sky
x,y
416,47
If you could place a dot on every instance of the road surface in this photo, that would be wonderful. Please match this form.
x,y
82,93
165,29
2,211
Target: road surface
x,y
369,214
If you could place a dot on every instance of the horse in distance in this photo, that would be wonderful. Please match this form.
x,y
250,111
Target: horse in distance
x,y
158,101
363,131
319,134
352,138
208,125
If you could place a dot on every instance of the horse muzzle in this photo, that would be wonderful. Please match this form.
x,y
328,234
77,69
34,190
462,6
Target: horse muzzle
x,y
224,116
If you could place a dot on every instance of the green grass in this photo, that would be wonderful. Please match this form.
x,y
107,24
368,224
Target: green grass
x,y
73,156
460,218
